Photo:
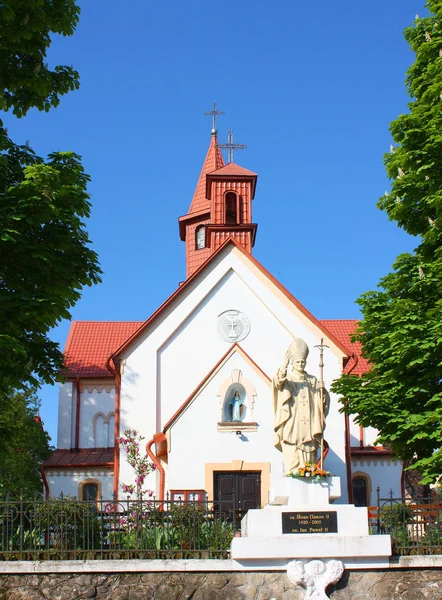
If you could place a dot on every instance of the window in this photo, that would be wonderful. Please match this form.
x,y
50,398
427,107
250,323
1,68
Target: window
x,y
231,217
200,237
100,432
90,492
103,428
360,497
184,496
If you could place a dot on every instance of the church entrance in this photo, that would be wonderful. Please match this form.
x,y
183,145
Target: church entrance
x,y
237,491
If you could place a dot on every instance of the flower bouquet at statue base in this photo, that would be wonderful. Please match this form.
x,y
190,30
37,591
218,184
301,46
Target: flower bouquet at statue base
x,y
310,471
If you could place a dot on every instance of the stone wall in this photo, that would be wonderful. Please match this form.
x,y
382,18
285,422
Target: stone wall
x,y
391,584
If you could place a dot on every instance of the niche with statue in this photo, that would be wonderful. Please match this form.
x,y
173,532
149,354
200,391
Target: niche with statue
x,y
237,402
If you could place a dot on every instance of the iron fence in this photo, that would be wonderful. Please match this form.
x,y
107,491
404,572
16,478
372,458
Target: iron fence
x,y
415,524
68,528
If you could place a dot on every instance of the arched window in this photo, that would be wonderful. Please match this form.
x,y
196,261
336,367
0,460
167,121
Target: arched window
x,y
90,492
200,237
360,495
103,427
231,207
110,432
100,432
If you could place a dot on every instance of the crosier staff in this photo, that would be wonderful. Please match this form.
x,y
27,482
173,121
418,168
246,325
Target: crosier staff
x,y
321,347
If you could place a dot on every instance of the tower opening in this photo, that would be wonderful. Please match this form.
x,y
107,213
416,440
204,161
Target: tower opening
x,y
231,209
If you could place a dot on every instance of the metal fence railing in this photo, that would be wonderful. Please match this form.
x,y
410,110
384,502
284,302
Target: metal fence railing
x,y
415,524
68,528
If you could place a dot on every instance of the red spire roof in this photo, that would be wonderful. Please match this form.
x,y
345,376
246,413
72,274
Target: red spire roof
x,y
214,160
233,169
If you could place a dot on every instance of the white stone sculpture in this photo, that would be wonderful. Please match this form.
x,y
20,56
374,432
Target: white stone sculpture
x,y
314,576
300,407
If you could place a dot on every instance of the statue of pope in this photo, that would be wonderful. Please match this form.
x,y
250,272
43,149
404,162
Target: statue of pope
x,y
300,405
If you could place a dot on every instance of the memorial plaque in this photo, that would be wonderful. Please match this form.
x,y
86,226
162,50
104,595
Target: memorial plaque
x,y
310,522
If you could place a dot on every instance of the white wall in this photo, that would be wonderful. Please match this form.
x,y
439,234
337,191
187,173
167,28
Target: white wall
x,y
93,402
169,360
67,482
65,398
195,439
383,472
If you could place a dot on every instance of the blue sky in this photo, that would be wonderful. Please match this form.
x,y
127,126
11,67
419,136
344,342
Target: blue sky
x,y
310,88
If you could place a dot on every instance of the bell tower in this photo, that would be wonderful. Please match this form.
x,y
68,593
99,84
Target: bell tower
x,y
221,207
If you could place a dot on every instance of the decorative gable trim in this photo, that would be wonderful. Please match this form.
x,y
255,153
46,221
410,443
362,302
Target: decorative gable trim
x,y
197,391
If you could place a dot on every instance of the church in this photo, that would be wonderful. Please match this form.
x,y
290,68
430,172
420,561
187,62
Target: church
x,y
195,378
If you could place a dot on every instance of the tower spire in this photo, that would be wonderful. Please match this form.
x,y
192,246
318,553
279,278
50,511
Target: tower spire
x,y
213,113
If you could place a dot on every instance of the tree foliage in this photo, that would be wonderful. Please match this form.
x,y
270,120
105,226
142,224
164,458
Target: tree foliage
x,y
24,445
25,79
401,329
44,247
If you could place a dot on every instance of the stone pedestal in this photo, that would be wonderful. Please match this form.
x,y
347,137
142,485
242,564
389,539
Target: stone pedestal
x,y
307,492
303,524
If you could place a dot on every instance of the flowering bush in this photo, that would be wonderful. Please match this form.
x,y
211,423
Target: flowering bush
x,y
131,442
310,470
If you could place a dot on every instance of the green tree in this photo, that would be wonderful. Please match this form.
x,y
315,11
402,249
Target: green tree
x,y
44,247
401,329
24,445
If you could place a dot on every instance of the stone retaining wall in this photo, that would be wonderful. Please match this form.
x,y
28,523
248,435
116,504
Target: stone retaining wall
x,y
392,584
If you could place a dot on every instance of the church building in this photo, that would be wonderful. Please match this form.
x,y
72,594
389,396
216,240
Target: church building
x,y
195,378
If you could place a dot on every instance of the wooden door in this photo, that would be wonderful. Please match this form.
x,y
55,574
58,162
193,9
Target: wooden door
x,y
237,491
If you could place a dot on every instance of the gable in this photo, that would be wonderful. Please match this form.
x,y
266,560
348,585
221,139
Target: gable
x,y
262,280
235,349
91,344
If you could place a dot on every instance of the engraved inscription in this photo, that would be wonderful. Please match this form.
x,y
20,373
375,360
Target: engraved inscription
x,y
310,522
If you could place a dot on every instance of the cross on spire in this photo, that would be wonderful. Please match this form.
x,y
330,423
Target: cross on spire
x,y
213,113
230,146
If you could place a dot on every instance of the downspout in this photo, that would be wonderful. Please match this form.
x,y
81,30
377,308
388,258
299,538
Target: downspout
x,y
160,468
348,460
45,482
347,443
116,373
77,414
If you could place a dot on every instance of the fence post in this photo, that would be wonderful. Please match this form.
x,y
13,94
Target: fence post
x,y
21,524
378,504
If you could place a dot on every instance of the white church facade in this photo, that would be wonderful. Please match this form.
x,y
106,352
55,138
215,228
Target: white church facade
x,y
195,379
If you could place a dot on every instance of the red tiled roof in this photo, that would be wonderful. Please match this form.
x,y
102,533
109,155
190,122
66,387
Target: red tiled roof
x,y
233,169
214,160
90,343
80,458
342,329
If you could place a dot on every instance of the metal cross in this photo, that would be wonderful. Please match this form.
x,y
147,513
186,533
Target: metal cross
x,y
213,113
230,146
321,347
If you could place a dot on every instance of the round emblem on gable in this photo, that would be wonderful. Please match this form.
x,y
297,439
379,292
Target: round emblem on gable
x,y
233,326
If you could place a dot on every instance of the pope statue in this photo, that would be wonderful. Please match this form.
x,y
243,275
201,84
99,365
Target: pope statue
x,y
300,405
